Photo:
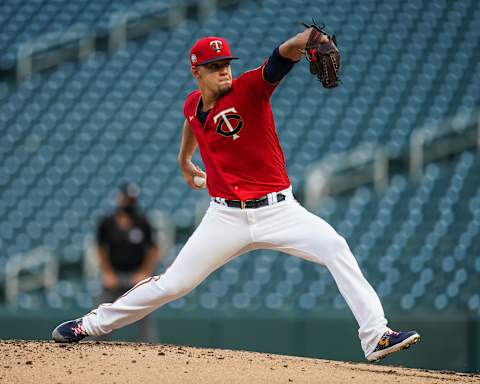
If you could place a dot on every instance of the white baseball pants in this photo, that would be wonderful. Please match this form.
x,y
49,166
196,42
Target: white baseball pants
x,y
226,233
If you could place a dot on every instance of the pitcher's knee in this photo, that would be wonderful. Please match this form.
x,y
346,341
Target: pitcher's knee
x,y
338,246
175,287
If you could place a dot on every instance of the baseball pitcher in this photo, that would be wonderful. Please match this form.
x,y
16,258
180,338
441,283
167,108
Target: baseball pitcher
x,y
231,123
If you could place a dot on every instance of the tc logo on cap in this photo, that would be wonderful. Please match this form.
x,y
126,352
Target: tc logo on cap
x,y
209,49
216,45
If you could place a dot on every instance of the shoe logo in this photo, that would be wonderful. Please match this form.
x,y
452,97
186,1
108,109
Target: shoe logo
x,y
384,342
78,330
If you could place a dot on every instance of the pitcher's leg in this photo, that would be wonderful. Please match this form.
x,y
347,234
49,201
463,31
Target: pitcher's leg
x,y
294,230
361,298
108,296
219,237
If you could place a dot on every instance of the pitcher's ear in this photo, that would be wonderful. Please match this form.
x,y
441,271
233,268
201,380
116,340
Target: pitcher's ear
x,y
195,72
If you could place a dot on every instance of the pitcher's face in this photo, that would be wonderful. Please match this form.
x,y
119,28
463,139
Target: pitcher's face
x,y
216,76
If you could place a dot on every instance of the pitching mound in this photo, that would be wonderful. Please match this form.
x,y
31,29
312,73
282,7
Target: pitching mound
x,y
42,362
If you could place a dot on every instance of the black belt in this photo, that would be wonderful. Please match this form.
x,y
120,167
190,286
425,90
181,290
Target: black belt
x,y
255,203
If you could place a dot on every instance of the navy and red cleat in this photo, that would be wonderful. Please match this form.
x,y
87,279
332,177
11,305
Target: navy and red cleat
x,y
69,332
392,342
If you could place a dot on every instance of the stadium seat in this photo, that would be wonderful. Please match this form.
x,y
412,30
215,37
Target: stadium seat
x,y
72,134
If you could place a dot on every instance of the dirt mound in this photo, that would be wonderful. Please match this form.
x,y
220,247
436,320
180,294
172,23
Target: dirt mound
x,y
108,362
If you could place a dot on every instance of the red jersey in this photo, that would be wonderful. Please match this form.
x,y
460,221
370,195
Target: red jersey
x,y
238,142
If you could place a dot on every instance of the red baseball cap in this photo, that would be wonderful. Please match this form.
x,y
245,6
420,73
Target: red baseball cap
x,y
210,49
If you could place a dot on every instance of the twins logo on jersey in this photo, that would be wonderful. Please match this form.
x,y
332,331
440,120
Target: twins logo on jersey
x,y
229,123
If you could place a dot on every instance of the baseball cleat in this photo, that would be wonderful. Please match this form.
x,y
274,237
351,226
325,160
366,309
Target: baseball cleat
x,y
392,342
69,332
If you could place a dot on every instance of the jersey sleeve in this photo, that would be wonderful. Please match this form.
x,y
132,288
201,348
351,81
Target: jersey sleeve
x,y
255,83
190,103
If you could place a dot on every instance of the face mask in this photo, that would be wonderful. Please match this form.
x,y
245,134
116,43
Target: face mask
x,y
129,210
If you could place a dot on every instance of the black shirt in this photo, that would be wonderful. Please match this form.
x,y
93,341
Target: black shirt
x,y
128,248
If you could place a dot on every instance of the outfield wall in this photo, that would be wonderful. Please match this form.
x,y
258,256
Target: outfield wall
x,y
448,342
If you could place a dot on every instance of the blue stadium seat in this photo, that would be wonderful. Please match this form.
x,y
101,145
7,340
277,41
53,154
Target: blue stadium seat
x,y
71,135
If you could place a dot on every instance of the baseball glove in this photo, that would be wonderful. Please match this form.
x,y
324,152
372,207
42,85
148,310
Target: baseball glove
x,y
324,57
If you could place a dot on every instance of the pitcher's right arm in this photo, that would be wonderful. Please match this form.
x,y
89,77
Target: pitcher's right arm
x,y
187,149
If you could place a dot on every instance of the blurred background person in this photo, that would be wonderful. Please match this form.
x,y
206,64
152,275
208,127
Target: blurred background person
x,y
127,251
